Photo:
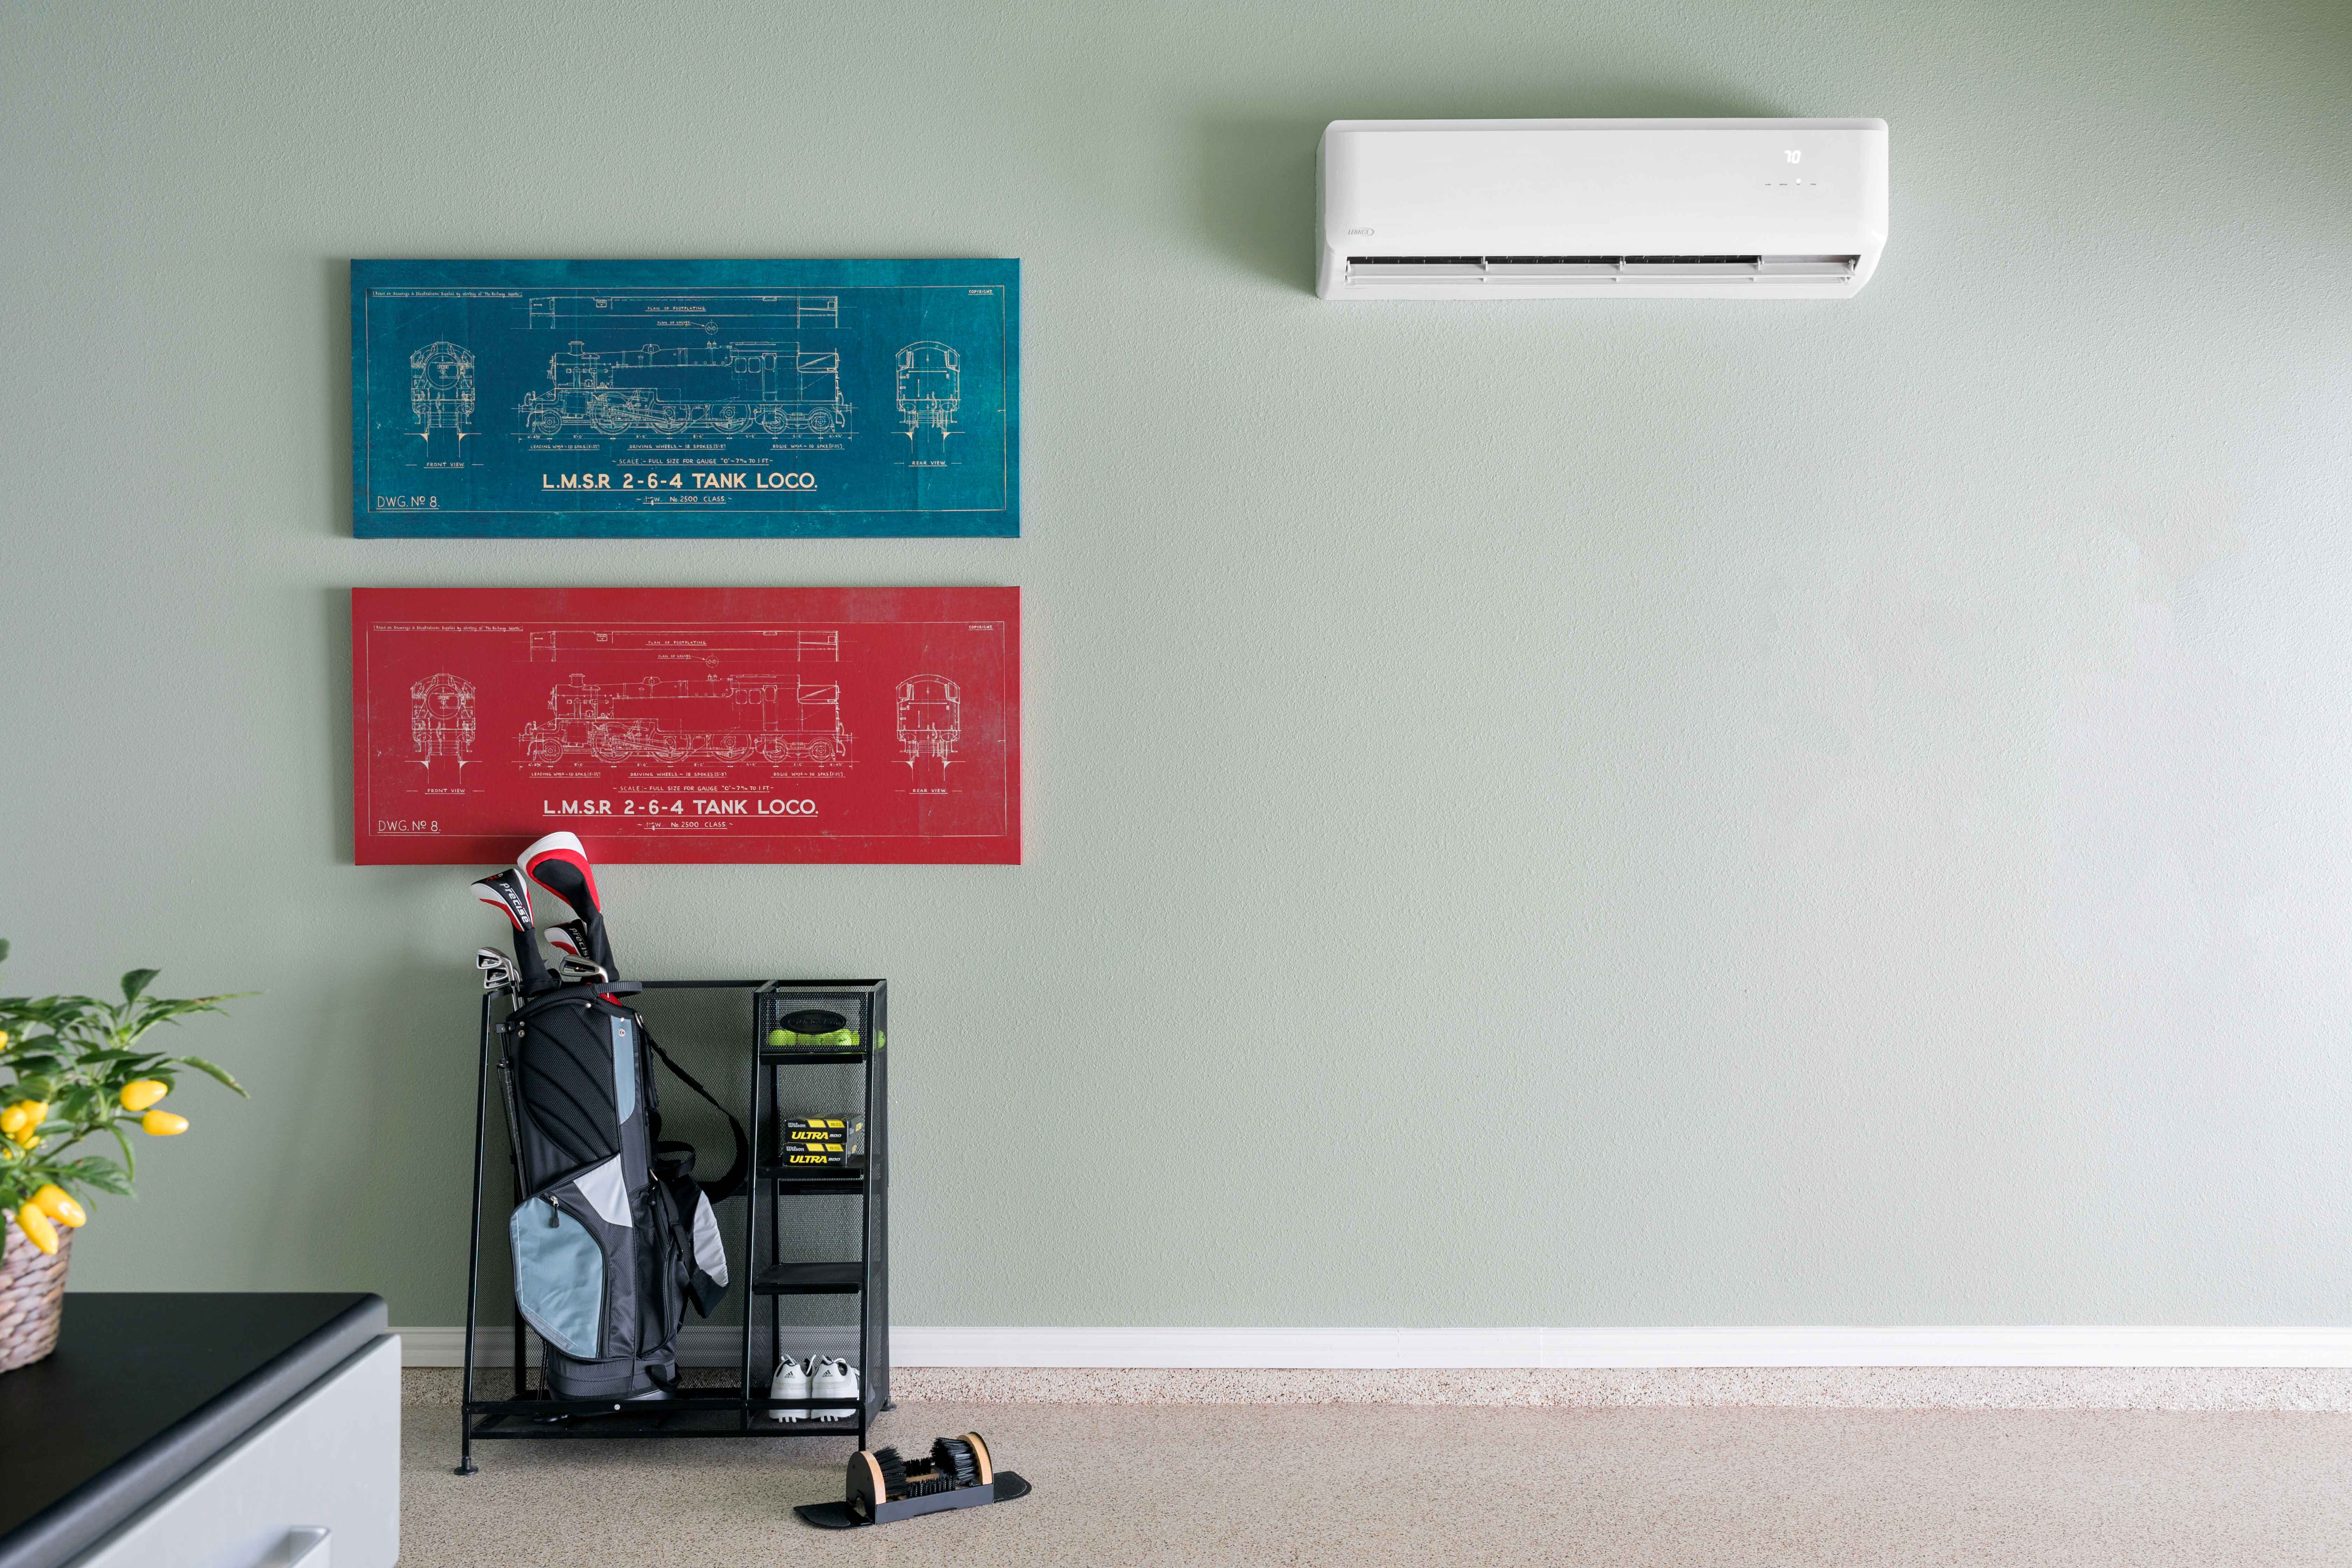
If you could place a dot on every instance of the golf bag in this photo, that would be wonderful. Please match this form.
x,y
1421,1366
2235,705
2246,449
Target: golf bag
x,y
614,1235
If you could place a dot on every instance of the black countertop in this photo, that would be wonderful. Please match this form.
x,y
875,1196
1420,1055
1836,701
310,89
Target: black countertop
x,y
143,1389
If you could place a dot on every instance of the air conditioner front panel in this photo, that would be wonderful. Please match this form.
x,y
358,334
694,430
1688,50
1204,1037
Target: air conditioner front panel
x,y
1439,191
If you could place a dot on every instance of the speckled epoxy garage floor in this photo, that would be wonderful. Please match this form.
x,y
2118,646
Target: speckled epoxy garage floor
x,y
1366,1485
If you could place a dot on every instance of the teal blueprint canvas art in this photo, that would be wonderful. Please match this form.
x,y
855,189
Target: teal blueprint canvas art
x,y
782,399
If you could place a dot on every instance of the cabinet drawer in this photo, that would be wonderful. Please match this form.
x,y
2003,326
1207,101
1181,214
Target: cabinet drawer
x,y
328,1460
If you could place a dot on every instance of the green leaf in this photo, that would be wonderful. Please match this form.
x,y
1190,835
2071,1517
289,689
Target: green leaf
x,y
157,1010
4,949
103,1174
129,1160
135,981
214,1070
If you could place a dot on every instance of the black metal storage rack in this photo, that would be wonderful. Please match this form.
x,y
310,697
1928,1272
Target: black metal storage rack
x,y
741,1409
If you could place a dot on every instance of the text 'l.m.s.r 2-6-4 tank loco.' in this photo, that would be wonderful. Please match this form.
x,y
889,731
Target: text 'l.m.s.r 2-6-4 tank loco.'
x,y
727,387
712,718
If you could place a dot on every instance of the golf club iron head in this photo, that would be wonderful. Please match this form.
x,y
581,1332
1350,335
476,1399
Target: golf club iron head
x,y
497,969
581,971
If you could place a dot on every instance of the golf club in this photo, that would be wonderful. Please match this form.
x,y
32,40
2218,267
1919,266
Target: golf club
x,y
509,894
498,971
581,970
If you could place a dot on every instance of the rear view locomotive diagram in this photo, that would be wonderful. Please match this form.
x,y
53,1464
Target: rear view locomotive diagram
x,y
723,387
931,717
929,385
718,718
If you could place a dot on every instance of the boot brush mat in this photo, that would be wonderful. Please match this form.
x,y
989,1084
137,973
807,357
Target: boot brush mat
x,y
884,1488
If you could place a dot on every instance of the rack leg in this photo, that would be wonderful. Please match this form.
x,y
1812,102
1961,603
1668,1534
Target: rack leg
x,y
514,1201
775,1253
760,1193
466,1466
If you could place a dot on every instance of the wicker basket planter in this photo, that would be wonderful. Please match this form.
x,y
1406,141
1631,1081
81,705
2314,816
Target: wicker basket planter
x,y
32,1297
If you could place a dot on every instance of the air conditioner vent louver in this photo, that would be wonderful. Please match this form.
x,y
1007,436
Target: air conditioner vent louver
x,y
1543,261
1598,270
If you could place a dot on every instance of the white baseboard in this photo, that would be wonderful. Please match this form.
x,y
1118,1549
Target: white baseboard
x,y
714,1345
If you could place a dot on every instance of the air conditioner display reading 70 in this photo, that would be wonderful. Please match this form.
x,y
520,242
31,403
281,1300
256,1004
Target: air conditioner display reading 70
x,y
687,725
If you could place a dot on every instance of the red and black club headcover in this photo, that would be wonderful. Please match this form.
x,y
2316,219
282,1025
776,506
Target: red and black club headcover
x,y
506,893
509,895
559,863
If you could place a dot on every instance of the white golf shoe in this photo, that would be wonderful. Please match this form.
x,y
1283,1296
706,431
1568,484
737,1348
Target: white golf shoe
x,y
791,1382
835,1378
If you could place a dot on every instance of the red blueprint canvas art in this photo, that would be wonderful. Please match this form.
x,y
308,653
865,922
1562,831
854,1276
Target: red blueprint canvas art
x,y
687,724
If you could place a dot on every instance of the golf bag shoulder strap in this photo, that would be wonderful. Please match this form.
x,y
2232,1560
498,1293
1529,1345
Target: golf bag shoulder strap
x,y
728,1185
569,996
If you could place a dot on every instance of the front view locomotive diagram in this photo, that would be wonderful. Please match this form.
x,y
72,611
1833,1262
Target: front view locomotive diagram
x,y
725,387
771,718
441,718
441,386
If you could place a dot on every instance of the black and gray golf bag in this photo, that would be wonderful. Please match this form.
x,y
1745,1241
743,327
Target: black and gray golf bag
x,y
614,1235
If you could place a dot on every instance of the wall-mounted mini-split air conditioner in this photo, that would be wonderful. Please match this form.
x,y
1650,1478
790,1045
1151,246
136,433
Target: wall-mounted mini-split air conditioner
x,y
1558,209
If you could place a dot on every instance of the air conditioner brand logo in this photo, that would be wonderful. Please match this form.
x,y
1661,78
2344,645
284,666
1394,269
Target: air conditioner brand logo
x,y
1795,156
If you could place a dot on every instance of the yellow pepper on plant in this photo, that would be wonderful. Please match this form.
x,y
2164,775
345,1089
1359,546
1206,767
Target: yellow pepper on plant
x,y
37,1228
57,1204
142,1092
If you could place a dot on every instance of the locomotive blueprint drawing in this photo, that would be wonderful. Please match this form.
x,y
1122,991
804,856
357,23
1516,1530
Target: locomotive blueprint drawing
x,y
847,725
785,399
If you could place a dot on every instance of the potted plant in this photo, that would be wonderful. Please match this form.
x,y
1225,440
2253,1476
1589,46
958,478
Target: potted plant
x,y
79,1070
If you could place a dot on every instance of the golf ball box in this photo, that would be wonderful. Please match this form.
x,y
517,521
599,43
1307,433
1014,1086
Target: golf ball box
x,y
820,1142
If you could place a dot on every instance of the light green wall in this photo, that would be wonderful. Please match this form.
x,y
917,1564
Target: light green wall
x,y
1669,813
